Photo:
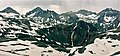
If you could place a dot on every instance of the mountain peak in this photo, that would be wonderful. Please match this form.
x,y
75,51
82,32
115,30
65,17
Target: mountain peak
x,y
9,10
86,12
37,9
109,11
38,12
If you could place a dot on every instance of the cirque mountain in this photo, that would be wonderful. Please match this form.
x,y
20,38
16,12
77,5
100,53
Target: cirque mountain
x,y
62,30
108,15
109,18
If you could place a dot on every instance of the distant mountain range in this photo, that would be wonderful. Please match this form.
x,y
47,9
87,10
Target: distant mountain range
x,y
61,30
105,16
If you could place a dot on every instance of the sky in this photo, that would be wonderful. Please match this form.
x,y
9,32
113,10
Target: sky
x,y
60,6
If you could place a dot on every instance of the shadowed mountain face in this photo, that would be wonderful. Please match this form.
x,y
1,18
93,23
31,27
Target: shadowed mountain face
x,y
75,34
